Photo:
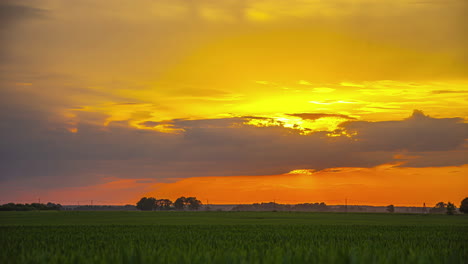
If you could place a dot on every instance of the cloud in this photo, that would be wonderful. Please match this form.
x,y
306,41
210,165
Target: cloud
x,y
419,132
127,103
323,90
315,116
11,12
34,153
151,123
449,91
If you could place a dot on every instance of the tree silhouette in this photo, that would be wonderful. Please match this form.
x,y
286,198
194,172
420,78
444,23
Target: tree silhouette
x,y
315,207
391,208
147,204
163,204
180,203
151,203
464,206
193,203
439,208
187,202
451,208
30,207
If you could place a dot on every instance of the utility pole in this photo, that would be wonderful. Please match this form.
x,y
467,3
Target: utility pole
x,y
91,202
39,199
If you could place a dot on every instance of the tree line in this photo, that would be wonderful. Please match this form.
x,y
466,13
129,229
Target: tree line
x,y
441,208
272,206
182,203
192,203
30,207
448,208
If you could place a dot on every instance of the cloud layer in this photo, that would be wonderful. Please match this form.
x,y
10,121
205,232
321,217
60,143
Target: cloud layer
x,y
31,151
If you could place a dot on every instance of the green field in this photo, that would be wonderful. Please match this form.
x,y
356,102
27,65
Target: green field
x,y
231,237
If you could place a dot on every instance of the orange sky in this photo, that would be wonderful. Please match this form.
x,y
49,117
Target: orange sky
x,y
111,100
381,185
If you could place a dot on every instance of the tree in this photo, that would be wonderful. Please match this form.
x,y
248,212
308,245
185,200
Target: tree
x,y
439,208
315,207
147,204
163,204
180,203
464,206
451,208
30,207
391,208
53,206
193,203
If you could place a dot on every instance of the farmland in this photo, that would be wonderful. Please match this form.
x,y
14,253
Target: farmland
x,y
231,237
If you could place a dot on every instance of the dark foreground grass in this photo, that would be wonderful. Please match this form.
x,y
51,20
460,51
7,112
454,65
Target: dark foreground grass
x,y
222,237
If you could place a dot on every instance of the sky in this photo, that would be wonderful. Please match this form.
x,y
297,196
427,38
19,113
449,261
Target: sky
x,y
234,101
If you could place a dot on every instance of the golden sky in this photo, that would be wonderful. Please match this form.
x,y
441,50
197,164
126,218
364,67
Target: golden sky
x,y
214,97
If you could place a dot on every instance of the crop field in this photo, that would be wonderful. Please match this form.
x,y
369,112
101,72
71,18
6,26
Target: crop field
x,y
231,237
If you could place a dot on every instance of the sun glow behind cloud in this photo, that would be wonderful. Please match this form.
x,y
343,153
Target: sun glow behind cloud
x,y
372,101
305,126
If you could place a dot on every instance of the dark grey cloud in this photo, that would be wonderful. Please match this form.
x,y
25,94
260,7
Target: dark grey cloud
x,y
33,151
11,14
437,158
417,133
150,123
14,11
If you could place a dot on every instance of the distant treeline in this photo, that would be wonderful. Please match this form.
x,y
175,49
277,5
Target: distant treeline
x,y
127,207
312,207
29,207
440,208
192,203
445,208
182,203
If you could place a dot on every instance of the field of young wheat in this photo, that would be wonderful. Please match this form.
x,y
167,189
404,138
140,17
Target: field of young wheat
x,y
241,237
